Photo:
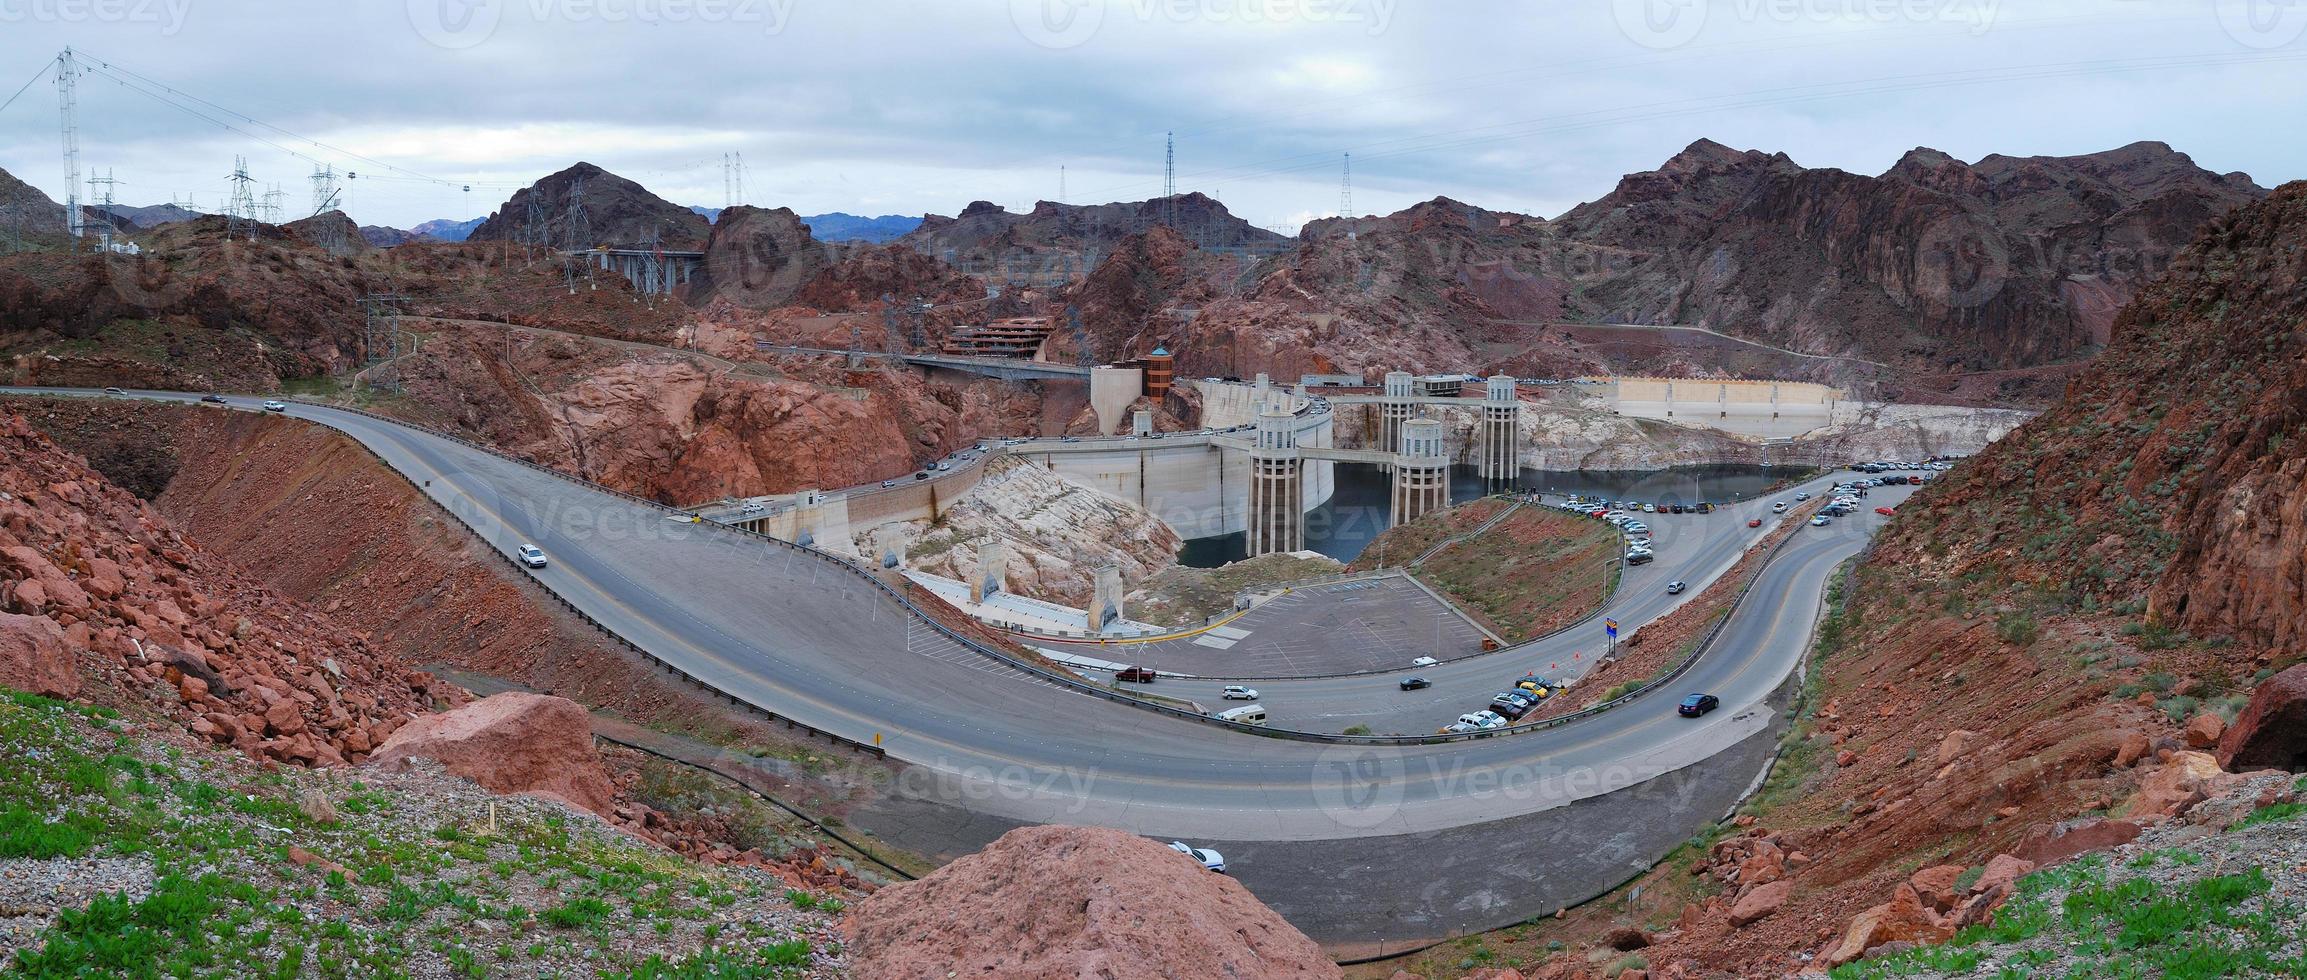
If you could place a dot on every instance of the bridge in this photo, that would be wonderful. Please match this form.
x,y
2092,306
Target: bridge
x,y
1005,368
654,271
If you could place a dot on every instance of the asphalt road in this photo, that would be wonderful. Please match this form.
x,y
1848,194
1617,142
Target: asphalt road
x,y
795,633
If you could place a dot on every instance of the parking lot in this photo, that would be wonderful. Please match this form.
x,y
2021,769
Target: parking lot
x,y
1342,628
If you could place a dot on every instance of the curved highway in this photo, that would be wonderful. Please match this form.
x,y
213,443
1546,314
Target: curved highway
x,y
791,631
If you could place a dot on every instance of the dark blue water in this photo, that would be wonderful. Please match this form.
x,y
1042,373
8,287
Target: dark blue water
x,y
1361,508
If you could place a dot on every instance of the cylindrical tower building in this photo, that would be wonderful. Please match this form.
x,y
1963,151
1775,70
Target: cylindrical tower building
x,y
1394,410
1421,472
1501,435
1277,518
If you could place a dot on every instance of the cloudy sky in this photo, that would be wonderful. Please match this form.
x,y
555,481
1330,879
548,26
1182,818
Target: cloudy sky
x,y
885,106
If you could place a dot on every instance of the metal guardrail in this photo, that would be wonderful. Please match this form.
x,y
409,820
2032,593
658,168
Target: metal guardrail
x,y
1070,682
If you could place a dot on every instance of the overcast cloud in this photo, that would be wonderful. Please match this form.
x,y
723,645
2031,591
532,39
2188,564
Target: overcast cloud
x,y
910,107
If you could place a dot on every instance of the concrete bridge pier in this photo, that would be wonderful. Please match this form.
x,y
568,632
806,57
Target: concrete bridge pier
x,y
1277,514
1105,603
992,569
1421,472
1501,436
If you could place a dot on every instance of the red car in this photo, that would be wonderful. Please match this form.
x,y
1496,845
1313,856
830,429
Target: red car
x,y
1885,511
1757,522
1137,675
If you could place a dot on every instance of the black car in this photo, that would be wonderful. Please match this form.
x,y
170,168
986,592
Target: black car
x,y
1697,704
1416,683
1511,708
213,399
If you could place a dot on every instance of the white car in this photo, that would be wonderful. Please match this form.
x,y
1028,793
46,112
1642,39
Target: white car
x,y
1236,692
1210,859
1485,719
1424,662
1805,495
1636,527
532,556
751,507
1821,521
273,406
1778,508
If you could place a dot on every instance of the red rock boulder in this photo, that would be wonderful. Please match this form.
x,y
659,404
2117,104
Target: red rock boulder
x,y
1075,902
2271,733
511,743
35,658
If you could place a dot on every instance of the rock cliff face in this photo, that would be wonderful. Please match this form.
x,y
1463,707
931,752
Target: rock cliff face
x,y
1076,902
758,258
618,213
2005,263
984,227
684,428
1932,271
511,743
106,598
1058,534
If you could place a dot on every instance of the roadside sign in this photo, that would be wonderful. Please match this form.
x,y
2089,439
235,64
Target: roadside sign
x,y
1612,626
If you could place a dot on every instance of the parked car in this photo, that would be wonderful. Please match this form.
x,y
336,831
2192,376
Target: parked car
x,y
1483,719
1886,511
751,507
532,556
1416,683
886,484
1535,684
1640,558
1210,859
1424,662
1236,692
273,406
1697,704
1821,521
1650,508
1676,587
1135,675
213,399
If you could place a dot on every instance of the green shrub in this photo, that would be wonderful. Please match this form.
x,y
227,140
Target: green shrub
x,y
25,834
576,913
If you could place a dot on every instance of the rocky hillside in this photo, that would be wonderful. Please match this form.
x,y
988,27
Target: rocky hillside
x,y
2005,263
1935,269
27,216
618,213
986,228
107,599
2073,638
1076,902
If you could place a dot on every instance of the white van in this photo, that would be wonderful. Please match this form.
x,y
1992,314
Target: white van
x,y
1248,714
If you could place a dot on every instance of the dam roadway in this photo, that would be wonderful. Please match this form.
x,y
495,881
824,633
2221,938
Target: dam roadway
x,y
1357,844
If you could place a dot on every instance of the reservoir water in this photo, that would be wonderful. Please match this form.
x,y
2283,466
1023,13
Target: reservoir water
x,y
1361,506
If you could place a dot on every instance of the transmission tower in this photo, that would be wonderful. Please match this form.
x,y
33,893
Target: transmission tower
x,y
273,196
68,106
1170,180
1346,196
536,230
728,182
103,201
580,233
241,211
324,191
1061,183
